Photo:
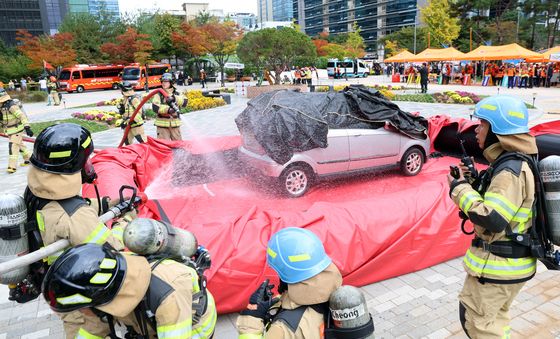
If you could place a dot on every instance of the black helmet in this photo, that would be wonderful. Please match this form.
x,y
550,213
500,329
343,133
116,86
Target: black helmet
x,y
167,77
87,275
126,86
62,149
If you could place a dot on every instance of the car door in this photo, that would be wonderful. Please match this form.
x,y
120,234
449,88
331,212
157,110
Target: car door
x,y
335,157
372,147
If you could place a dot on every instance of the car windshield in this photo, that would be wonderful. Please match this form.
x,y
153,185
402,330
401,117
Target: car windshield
x,y
64,75
131,74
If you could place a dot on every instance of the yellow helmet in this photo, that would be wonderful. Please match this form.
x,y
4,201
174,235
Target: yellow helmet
x,y
4,96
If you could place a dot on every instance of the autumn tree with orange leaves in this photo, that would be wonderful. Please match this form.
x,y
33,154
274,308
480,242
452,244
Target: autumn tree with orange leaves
x,y
188,41
56,49
220,40
129,47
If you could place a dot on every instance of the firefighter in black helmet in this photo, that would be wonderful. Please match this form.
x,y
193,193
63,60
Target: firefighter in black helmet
x,y
55,208
129,104
13,122
168,120
159,299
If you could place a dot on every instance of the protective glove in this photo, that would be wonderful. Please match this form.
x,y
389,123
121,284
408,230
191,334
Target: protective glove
x,y
124,124
120,107
170,99
260,302
171,111
28,131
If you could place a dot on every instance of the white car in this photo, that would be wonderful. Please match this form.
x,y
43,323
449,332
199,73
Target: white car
x,y
348,151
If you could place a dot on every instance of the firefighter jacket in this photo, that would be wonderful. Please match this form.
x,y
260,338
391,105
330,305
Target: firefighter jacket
x,y
130,104
164,118
506,205
313,291
173,314
13,119
78,221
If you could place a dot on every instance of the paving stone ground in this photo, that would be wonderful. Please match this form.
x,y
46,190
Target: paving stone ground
x,y
421,304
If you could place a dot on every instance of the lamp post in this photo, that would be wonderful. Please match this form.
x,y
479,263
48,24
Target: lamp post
x,y
517,31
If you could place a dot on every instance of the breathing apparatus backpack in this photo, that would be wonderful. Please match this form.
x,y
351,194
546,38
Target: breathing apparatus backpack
x,y
345,315
545,231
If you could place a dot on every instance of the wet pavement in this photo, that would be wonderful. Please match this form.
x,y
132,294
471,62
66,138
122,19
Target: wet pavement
x,y
422,304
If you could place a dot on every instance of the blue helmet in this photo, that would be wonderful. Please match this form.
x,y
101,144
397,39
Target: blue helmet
x,y
506,115
296,254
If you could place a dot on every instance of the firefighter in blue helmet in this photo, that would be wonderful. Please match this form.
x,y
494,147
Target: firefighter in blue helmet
x,y
168,119
497,265
307,279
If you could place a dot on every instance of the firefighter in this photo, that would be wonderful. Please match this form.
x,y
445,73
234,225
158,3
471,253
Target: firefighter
x,y
497,268
307,279
54,96
130,103
60,164
168,120
13,122
159,299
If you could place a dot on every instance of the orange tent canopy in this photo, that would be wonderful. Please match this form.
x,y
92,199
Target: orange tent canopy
x,y
400,57
438,54
546,55
504,52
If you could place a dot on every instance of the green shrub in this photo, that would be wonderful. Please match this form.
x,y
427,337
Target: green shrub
x,y
91,126
414,98
29,96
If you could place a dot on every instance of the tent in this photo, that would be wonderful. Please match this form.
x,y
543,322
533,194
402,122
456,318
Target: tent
x,y
546,55
403,56
438,54
504,52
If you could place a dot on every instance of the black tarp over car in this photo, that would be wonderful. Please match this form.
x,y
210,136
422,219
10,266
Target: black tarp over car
x,y
285,122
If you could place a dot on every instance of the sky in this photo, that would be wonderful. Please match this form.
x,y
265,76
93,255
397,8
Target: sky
x,y
228,6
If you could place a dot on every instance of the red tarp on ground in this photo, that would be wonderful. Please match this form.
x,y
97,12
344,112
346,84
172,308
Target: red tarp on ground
x,y
373,226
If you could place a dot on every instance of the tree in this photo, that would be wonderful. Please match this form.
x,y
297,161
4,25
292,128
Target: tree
x,y
334,51
56,49
90,32
14,67
391,48
443,28
220,40
188,40
164,26
405,38
275,49
129,47
355,46
203,18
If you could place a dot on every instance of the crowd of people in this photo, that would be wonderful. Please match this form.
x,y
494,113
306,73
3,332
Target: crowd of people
x,y
521,75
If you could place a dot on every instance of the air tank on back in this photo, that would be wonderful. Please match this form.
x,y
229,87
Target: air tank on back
x,y
13,238
550,173
148,237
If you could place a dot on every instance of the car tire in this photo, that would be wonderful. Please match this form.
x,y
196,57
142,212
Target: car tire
x,y
412,162
115,86
295,180
80,89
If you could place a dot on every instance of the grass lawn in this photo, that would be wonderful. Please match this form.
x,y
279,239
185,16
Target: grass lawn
x,y
91,126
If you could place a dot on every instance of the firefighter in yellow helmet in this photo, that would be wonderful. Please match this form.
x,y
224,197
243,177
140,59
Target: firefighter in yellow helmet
x,y
56,209
168,120
307,279
499,261
158,299
13,122
130,102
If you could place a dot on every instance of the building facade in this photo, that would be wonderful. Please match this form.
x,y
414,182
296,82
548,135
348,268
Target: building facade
x,y
376,18
246,21
19,14
282,10
52,14
265,10
94,6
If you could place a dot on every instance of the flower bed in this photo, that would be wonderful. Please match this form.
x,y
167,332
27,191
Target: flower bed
x,y
107,117
456,97
112,102
199,102
338,88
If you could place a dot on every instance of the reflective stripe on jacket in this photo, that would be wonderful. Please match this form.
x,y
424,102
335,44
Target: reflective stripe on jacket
x,y
13,119
130,105
163,119
508,201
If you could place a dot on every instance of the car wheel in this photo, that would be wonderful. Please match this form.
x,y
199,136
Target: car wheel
x,y
115,86
80,89
295,181
412,162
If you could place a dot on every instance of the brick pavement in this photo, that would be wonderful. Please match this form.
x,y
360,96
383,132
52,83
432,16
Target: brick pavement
x,y
422,304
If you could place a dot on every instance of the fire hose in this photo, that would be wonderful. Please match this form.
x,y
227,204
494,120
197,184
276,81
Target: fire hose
x,y
59,245
144,100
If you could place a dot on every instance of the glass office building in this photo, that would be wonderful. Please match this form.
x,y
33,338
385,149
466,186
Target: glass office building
x,y
52,14
376,18
19,14
282,10
94,6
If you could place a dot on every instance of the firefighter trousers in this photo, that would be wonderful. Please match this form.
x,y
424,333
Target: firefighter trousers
x,y
169,133
136,133
484,308
16,147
